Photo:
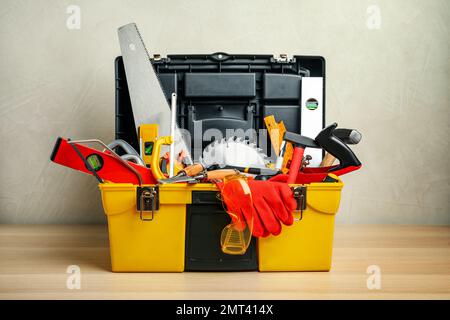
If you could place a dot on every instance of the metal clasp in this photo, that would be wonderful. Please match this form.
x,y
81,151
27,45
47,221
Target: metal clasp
x,y
147,200
300,196
282,58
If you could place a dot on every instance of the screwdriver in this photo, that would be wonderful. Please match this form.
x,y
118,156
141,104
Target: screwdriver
x,y
189,171
205,175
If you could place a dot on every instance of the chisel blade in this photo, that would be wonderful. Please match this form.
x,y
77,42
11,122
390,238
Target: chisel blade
x,y
148,101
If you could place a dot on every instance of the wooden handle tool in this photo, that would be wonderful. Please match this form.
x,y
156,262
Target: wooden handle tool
x,y
220,174
328,160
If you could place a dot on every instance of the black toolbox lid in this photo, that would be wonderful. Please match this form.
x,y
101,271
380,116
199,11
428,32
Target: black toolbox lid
x,y
223,91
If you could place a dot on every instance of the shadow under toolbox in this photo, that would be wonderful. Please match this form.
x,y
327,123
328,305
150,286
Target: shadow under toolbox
x,y
223,92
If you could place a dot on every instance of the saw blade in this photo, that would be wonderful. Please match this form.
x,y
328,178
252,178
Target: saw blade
x,y
234,152
148,101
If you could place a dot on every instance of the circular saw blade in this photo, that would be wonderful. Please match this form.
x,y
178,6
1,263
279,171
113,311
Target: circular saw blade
x,y
234,152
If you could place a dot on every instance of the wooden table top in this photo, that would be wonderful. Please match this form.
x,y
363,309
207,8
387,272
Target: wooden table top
x,y
414,262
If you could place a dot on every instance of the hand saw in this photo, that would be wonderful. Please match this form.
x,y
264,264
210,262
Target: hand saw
x,y
276,133
148,101
104,165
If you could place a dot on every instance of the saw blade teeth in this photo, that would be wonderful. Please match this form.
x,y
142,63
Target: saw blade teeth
x,y
234,151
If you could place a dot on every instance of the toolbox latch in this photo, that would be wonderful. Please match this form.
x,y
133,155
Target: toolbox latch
x,y
300,196
282,58
147,200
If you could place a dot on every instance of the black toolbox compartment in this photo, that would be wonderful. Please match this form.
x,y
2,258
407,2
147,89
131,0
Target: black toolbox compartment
x,y
224,92
205,220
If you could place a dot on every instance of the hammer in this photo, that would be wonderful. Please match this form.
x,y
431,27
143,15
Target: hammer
x,y
300,143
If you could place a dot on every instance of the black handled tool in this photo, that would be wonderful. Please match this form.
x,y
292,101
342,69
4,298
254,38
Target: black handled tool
x,y
348,136
336,147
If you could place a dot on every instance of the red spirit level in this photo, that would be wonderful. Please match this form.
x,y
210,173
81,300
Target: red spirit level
x,y
104,165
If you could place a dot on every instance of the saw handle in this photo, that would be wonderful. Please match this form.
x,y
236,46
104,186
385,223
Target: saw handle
x,y
154,164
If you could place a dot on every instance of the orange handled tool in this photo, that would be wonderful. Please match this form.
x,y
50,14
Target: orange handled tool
x,y
205,175
193,170
219,174
186,173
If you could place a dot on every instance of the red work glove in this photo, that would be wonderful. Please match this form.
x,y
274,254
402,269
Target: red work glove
x,y
274,203
270,204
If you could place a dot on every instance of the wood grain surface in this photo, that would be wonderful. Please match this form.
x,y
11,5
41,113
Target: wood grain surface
x,y
414,263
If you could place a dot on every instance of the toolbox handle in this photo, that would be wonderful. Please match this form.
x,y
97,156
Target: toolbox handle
x,y
125,163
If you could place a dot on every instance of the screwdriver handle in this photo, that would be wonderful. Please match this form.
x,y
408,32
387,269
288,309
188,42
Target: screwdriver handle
x,y
220,174
194,169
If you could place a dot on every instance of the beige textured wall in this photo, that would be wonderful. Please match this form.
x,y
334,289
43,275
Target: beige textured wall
x,y
391,83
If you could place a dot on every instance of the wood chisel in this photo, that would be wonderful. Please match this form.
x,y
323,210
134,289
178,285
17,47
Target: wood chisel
x,y
148,101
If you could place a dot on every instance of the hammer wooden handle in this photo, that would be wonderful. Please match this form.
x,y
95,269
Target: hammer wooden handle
x,y
328,160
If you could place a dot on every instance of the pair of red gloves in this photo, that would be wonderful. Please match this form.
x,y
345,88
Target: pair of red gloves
x,y
262,205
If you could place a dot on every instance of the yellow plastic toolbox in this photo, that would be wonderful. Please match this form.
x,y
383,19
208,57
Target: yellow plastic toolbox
x,y
307,244
148,242
140,245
